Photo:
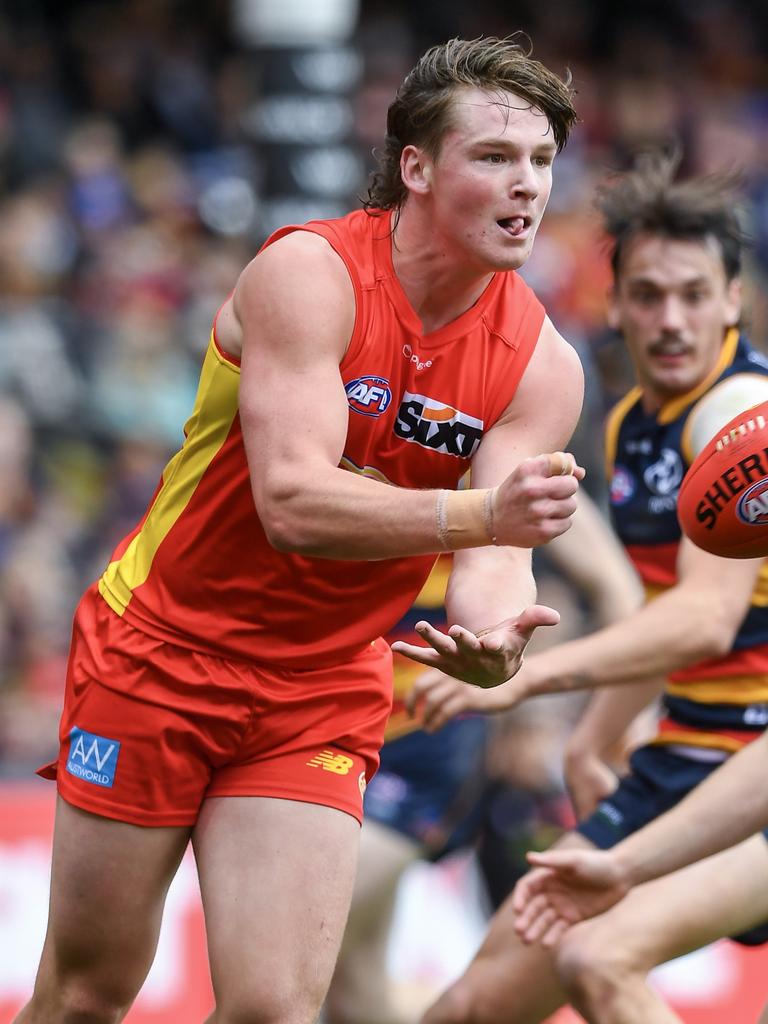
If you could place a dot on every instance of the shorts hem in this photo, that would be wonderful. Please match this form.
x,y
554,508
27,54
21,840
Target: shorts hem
x,y
146,819
274,793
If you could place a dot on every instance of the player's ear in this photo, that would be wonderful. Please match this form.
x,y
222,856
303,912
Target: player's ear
x,y
612,311
416,170
733,302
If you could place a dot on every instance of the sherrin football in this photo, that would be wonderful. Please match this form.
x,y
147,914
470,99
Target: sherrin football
x,y
723,501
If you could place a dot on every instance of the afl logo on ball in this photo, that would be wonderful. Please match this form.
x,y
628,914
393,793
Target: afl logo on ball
x,y
370,396
753,504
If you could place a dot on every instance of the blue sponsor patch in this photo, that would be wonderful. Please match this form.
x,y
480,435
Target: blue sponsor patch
x,y
92,758
370,395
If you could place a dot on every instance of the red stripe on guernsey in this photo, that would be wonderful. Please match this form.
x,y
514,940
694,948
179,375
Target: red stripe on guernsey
x,y
751,661
656,563
724,739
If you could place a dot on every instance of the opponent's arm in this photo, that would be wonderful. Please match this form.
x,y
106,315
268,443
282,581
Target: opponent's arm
x,y
696,619
491,590
568,886
602,728
295,307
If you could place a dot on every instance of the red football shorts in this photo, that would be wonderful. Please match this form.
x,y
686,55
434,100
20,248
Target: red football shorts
x,y
149,730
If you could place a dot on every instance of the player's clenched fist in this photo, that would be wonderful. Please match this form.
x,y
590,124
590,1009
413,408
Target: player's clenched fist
x,y
536,501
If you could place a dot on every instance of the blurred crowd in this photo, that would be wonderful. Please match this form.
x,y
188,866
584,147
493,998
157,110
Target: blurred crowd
x,y
130,199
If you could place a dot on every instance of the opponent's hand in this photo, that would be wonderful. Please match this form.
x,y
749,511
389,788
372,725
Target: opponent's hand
x,y
536,501
436,698
566,887
588,780
486,658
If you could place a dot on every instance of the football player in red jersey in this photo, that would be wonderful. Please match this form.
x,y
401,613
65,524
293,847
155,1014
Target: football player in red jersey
x,y
227,681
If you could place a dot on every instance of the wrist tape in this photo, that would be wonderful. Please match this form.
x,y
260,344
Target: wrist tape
x,y
465,518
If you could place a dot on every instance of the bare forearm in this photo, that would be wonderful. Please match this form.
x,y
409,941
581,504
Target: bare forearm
x,y
608,716
728,807
660,638
488,585
344,515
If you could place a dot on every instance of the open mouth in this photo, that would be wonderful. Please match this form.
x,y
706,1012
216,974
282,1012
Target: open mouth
x,y
515,226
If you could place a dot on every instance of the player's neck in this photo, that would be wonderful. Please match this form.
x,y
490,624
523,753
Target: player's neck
x,y
439,286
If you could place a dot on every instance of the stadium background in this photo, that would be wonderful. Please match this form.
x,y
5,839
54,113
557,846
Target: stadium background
x,y
146,148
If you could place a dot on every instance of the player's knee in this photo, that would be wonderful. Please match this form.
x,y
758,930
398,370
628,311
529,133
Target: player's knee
x,y
591,966
269,1005
81,1003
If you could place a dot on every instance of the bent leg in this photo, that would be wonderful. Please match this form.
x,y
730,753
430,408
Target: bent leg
x,y
507,982
361,990
603,963
108,887
276,878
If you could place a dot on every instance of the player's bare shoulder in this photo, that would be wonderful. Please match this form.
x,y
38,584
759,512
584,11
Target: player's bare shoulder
x,y
553,381
297,283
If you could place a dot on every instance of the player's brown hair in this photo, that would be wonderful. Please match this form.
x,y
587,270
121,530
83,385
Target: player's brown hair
x,y
421,112
650,199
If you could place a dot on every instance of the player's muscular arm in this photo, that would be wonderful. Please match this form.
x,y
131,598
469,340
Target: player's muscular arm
x,y
295,307
490,591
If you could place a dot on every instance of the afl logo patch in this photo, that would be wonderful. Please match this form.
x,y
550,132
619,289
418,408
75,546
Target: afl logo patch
x,y
370,396
622,486
752,508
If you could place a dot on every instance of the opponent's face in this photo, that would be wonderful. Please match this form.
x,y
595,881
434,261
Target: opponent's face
x,y
491,180
673,303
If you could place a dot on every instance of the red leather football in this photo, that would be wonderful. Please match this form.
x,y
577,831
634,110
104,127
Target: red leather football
x,y
723,500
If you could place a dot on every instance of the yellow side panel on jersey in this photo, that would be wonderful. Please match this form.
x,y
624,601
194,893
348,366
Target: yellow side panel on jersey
x,y
206,431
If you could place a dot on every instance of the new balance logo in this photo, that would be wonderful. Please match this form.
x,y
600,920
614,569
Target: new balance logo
x,y
339,764
92,758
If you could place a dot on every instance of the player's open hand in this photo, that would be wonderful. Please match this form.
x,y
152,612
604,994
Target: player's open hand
x,y
436,698
536,501
565,887
486,658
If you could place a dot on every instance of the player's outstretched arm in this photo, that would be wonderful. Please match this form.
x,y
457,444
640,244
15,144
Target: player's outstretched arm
x,y
491,594
567,886
295,307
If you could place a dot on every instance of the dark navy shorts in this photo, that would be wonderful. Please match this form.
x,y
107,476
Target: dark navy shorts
x,y
657,780
430,786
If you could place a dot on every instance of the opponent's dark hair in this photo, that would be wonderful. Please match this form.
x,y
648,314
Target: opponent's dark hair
x,y
422,110
649,199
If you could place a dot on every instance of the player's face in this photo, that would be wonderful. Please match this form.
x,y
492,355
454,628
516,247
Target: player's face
x,y
491,180
673,303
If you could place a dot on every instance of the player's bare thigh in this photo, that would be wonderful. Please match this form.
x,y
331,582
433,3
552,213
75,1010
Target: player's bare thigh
x,y
108,885
276,878
723,895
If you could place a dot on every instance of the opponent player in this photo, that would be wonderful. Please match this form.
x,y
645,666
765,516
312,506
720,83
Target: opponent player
x,y
676,300
227,679
431,792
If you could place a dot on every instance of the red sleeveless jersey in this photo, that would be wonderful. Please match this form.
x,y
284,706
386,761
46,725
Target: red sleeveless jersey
x,y
198,570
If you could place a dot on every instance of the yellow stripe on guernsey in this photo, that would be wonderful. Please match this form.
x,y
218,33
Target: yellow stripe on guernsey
x,y
741,690
205,434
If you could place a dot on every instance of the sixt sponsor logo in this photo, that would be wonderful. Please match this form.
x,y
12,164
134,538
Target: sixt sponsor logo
x,y
748,475
438,427
370,396
92,758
